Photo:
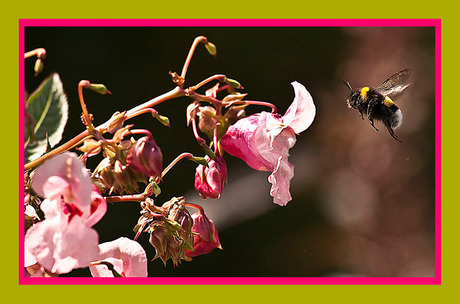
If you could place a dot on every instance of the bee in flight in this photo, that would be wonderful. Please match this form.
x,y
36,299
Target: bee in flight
x,y
377,104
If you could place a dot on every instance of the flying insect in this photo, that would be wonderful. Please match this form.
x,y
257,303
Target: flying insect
x,y
376,103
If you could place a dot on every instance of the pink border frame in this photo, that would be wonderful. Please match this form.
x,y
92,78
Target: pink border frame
x,y
436,280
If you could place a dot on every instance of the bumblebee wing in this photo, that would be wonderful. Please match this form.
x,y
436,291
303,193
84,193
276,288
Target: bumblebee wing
x,y
395,84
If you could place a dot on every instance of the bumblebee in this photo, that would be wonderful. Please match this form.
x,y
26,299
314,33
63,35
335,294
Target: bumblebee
x,y
376,103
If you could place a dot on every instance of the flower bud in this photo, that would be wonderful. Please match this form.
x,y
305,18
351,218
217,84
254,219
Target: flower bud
x,y
211,48
209,180
205,237
152,189
146,157
98,88
39,66
234,83
164,120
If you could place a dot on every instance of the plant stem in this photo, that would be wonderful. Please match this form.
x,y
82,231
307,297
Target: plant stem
x,y
198,138
174,93
175,161
200,209
40,52
126,198
219,77
259,103
142,132
86,116
199,39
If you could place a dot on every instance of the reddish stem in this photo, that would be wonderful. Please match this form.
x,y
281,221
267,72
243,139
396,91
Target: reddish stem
x,y
175,161
198,138
141,131
200,209
261,103
83,84
125,198
40,52
198,40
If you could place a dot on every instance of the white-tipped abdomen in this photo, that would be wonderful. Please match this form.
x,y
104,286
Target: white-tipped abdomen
x,y
398,117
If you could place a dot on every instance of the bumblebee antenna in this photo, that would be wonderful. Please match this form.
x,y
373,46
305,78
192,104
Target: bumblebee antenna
x,y
348,85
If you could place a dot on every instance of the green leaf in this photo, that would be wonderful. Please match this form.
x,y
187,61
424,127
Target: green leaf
x,y
48,108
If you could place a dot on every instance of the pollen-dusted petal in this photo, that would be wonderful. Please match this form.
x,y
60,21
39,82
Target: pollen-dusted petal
x,y
300,114
68,167
55,185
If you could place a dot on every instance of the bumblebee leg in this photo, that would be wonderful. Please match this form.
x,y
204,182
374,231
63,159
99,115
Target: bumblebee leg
x,y
390,130
369,114
371,121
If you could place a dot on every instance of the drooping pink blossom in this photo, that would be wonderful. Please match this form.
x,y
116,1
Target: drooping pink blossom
x,y
263,141
145,156
210,179
205,238
126,257
64,240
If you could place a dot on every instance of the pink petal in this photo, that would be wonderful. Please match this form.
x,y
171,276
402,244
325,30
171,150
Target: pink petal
x,y
51,207
300,114
55,185
206,238
102,270
280,180
29,258
209,180
98,208
68,167
240,141
60,246
130,253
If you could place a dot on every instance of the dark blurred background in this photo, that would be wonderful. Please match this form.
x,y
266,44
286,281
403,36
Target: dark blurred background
x,y
363,204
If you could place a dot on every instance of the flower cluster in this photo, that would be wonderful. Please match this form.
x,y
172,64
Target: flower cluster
x,y
64,240
64,199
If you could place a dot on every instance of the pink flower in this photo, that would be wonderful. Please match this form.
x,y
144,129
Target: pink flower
x,y
209,180
205,238
64,176
127,257
65,239
263,141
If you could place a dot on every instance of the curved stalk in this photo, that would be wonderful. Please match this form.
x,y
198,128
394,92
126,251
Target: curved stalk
x,y
176,92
